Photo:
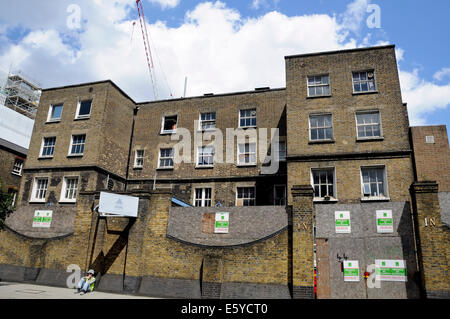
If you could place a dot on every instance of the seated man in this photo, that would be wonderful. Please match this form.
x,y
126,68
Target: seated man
x,y
86,284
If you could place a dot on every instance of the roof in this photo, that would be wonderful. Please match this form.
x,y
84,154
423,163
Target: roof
x,y
341,51
14,147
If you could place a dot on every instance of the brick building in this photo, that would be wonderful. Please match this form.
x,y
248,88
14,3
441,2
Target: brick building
x,y
344,184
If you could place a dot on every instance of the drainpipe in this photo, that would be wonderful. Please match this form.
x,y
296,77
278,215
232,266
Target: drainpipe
x,y
135,111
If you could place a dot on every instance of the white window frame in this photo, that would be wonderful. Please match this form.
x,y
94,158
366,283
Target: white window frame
x,y
71,144
137,157
42,147
250,117
324,128
334,196
361,81
308,86
203,198
35,199
50,112
77,114
17,168
247,198
63,198
358,125
172,131
198,164
249,153
385,183
200,122
159,158
274,194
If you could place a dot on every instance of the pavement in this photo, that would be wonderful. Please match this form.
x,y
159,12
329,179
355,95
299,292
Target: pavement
x,y
10,290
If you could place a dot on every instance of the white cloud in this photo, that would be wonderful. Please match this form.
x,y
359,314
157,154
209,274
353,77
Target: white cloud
x,y
441,74
353,17
423,97
166,3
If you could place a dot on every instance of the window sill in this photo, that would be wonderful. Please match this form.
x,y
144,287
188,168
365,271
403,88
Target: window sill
x,y
53,121
17,174
246,127
67,202
204,166
35,201
322,142
370,139
318,96
322,200
246,165
138,167
82,118
207,130
45,157
168,132
75,155
375,199
368,92
165,168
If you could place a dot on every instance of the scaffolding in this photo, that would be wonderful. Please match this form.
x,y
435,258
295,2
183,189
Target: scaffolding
x,y
20,93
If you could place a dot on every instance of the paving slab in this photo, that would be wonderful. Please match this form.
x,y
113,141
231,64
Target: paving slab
x,y
11,290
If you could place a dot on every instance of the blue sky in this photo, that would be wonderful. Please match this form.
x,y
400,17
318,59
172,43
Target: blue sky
x,y
224,46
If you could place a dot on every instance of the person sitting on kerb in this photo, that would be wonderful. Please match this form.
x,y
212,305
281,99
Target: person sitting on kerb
x,y
87,283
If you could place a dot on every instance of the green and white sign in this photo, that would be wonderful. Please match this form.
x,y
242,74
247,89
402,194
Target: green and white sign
x,y
390,270
385,222
351,270
221,224
42,218
342,222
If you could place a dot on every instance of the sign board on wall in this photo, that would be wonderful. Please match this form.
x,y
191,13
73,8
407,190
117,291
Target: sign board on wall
x,y
221,224
42,218
114,205
351,270
342,222
384,221
390,270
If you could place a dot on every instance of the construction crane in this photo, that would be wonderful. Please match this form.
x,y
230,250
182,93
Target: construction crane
x,y
148,51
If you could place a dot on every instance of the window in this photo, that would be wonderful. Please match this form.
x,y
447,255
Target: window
x,y
374,182
368,124
207,121
323,183
55,113
18,165
321,127
247,118
205,156
166,158
139,159
364,82
84,109
279,195
77,144
282,150
202,197
48,146
169,124
13,192
247,154
69,189
39,190
318,85
245,196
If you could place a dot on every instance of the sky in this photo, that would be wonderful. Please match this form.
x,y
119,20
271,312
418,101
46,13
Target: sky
x,y
223,46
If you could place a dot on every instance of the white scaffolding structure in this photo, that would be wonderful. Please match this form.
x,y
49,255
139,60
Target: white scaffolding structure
x,y
19,93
